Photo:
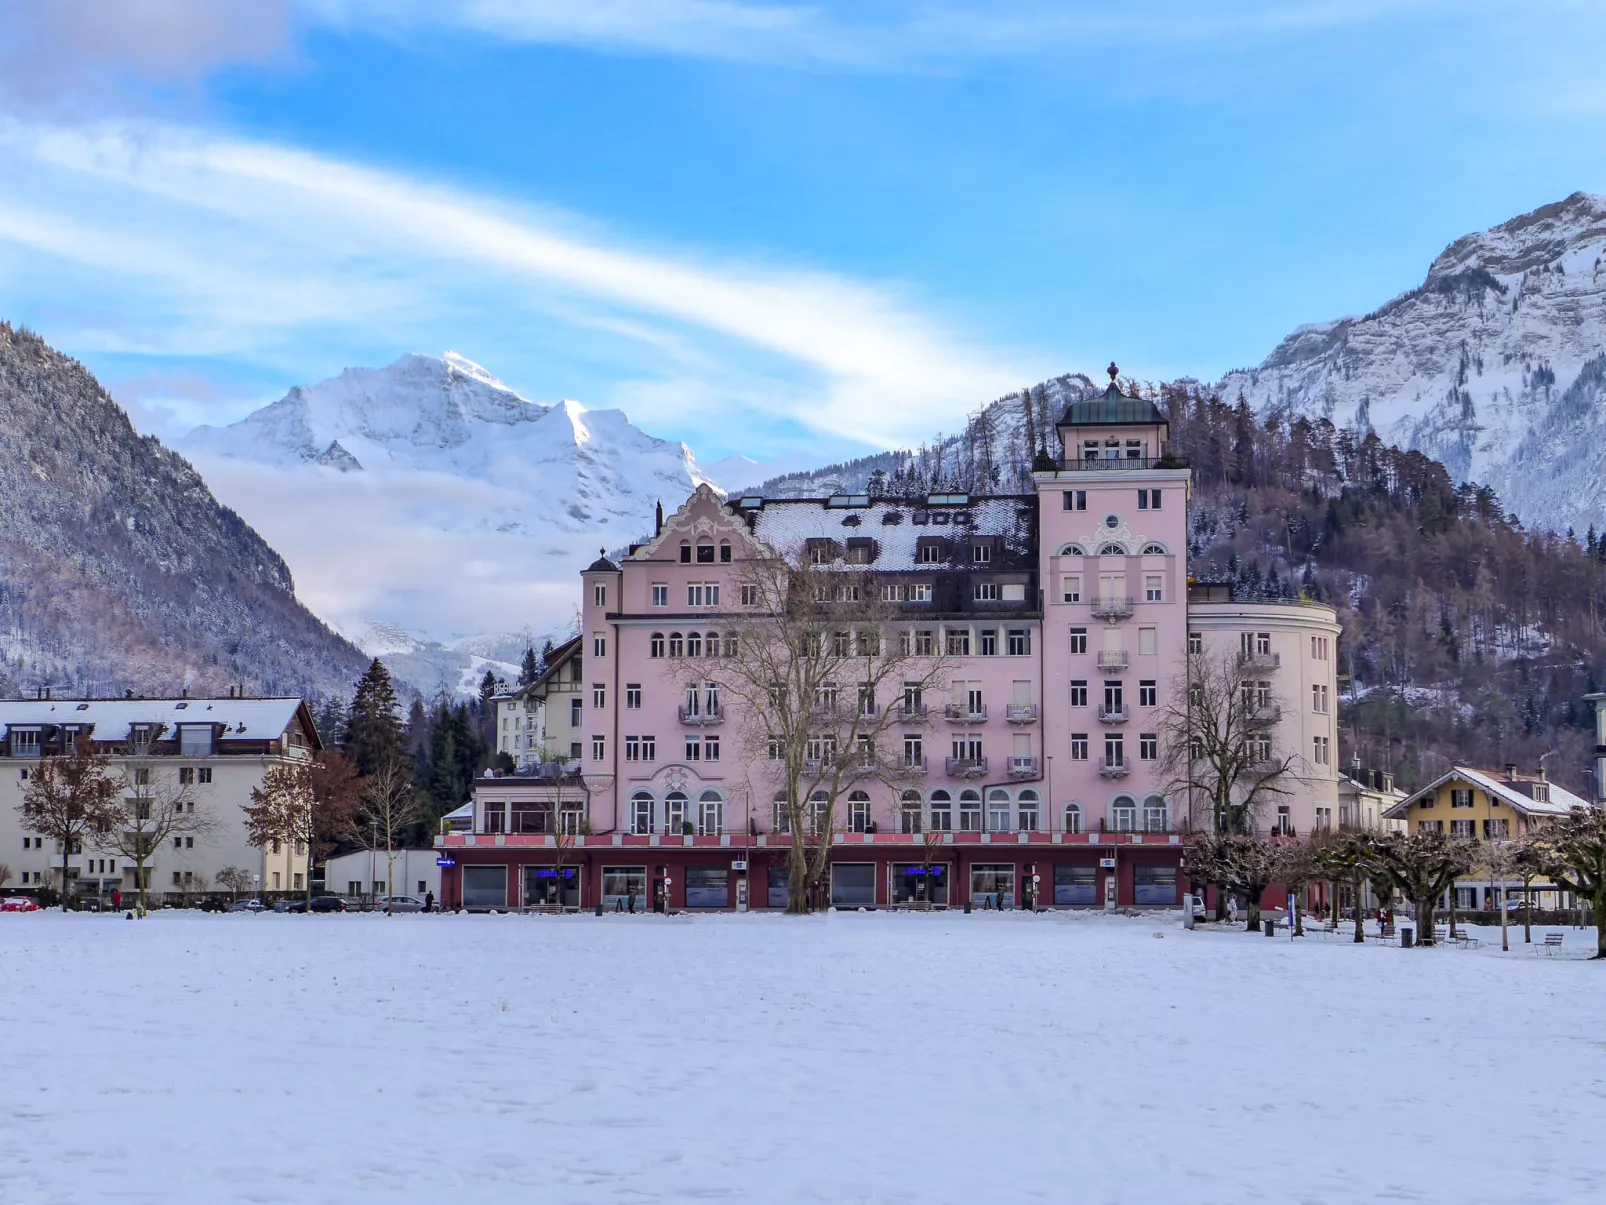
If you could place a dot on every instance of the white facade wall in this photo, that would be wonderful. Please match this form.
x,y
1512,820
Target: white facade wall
x,y
362,874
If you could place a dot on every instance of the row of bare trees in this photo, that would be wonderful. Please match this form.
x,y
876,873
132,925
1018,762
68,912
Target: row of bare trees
x,y
1422,868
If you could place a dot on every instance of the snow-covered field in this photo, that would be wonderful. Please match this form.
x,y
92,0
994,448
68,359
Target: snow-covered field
x,y
876,1057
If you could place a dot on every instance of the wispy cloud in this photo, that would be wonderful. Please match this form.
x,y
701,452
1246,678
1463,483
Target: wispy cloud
x,y
237,245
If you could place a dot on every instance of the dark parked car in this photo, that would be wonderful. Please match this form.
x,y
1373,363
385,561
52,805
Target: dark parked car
x,y
328,903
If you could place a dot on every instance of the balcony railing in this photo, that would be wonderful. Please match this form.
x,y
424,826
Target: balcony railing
x,y
1118,714
1022,767
1263,713
915,765
1021,713
965,713
702,717
906,711
1102,464
967,767
1260,660
1114,767
1112,660
1112,608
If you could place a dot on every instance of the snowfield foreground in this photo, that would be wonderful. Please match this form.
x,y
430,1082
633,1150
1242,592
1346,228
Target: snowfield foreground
x,y
878,1057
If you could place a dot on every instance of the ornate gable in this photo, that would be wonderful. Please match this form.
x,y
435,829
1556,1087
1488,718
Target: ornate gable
x,y
702,514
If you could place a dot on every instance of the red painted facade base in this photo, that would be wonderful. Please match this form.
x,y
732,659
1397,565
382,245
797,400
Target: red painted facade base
x,y
868,870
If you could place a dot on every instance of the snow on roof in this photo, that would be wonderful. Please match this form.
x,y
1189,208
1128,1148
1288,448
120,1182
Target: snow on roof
x,y
1360,785
897,524
243,719
1560,802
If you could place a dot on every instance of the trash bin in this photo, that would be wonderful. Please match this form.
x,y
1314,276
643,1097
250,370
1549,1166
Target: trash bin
x,y
967,907
1407,937
1271,928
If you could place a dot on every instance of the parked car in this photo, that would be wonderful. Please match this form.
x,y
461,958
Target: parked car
x,y
1517,904
247,906
399,903
328,903
18,903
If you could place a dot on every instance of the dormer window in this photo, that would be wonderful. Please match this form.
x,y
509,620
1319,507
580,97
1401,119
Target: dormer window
x,y
140,736
1541,792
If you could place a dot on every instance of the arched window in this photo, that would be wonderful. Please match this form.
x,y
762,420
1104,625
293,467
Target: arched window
x,y
685,552
711,644
942,812
677,646
705,551
710,813
655,645
969,811
1028,813
694,644
1154,549
1124,814
858,812
909,812
642,809
1112,549
724,552
998,811
1073,550
675,822
1073,817
1154,814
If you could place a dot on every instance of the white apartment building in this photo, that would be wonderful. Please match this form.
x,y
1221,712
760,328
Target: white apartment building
x,y
544,720
213,750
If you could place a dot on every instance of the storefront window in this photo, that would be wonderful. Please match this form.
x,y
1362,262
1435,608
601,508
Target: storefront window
x,y
620,883
1154,884
708,887
485,886
994,885
1076,884
852,885
780,886
552,887
914,884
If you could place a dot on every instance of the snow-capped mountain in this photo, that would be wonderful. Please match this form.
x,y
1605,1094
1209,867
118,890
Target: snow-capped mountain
x,y
1495,365
430,499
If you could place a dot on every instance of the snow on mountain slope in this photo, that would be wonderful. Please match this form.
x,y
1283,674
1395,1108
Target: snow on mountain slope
x,y
433,501
1477,367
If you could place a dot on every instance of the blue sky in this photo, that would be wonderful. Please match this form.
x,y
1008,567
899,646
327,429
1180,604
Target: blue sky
x,y
791,231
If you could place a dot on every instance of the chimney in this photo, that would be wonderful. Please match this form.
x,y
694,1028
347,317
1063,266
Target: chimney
x,y
1542,772
659,530
1511,771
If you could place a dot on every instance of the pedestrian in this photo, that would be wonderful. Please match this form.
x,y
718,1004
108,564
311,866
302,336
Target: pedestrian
x,y
117,899
429,901
632,908
1232,910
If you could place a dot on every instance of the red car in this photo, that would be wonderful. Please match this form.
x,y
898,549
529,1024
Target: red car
x,y
18,903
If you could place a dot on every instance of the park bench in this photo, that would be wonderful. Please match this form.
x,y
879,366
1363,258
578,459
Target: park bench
x,y
1385,930
1552,942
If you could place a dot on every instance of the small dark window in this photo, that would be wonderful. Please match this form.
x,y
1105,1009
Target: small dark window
x,y
725,553
705,554
685,554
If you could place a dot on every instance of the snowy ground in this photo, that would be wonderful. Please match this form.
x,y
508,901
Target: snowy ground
x,y
876,1057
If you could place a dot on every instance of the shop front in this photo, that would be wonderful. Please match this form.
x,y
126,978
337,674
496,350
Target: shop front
x,y
920,885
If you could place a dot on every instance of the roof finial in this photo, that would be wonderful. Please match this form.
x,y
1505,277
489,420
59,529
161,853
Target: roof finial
x,y
1113,371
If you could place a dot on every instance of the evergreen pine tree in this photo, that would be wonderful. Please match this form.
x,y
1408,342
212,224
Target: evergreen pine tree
x,y
374,735
530,668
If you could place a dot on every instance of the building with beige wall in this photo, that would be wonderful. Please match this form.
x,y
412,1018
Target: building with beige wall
x,y
214,751
544,720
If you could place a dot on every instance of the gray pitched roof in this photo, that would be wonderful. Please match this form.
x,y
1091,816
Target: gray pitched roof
x,y
242,719
1112,408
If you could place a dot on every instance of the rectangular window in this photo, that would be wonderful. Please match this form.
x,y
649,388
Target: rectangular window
x,y
1322,749
1075,884
599,645
989,642
660,594
142,778
1114,749
694,595
186,775
1318,648
710,748
1148,642
632,748
1152,588
1154,884
1148,747
1147,694
575,707
1496,829
1460,797
985,591
655,645
599,748
599,594
1148,499
633,696
1071,589
705,554
1195,643
1075,499
649,748
749,595
957,641
1078,746
694,748
1463,830
981,554
204,774
913,751
599,695
1020,642
925,642
994,885
920,592
1078,640
1318,699
930,554
1079,693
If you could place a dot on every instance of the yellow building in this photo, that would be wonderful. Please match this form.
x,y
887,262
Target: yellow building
x,y
1485,806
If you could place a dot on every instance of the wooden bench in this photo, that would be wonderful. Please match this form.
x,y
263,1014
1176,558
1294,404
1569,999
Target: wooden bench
x,y
1385,931
1552,942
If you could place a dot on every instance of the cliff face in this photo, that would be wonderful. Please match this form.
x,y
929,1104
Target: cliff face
x,y
118,568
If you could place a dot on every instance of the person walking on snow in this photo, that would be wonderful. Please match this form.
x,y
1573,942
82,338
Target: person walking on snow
x,y
1232,910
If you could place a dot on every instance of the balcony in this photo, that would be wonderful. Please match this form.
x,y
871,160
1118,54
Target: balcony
x,y
908,712
916,765
1119,714
702,718
967,767
1113,661
1112,608
1023,767
965,713
1114,767
1263,714
1260,660
1021,713
1117,464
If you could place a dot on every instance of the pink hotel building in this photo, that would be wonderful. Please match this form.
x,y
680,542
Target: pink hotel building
x,y
1071,614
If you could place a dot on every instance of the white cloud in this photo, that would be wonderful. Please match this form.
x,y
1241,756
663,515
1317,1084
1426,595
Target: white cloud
x,y
245,245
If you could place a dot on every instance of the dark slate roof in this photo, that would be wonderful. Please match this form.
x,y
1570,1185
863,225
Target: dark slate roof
x,y
1112,408
602,564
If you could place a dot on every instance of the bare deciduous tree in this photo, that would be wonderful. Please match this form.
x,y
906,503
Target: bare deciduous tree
x,y
1293,864
310,805
1235,862
1345,856
1574,853
832,677
1422,866
234,880
71,798
392,805
1217,737
156,806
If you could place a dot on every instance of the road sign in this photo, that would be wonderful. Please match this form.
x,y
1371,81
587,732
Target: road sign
x,y
446,861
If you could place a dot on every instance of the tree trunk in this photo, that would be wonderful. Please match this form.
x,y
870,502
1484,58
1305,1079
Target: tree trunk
x,y
1527,913
1252,908
1299,913
1360,931
1600,924
66,853
1424,924
1452,912
797,882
